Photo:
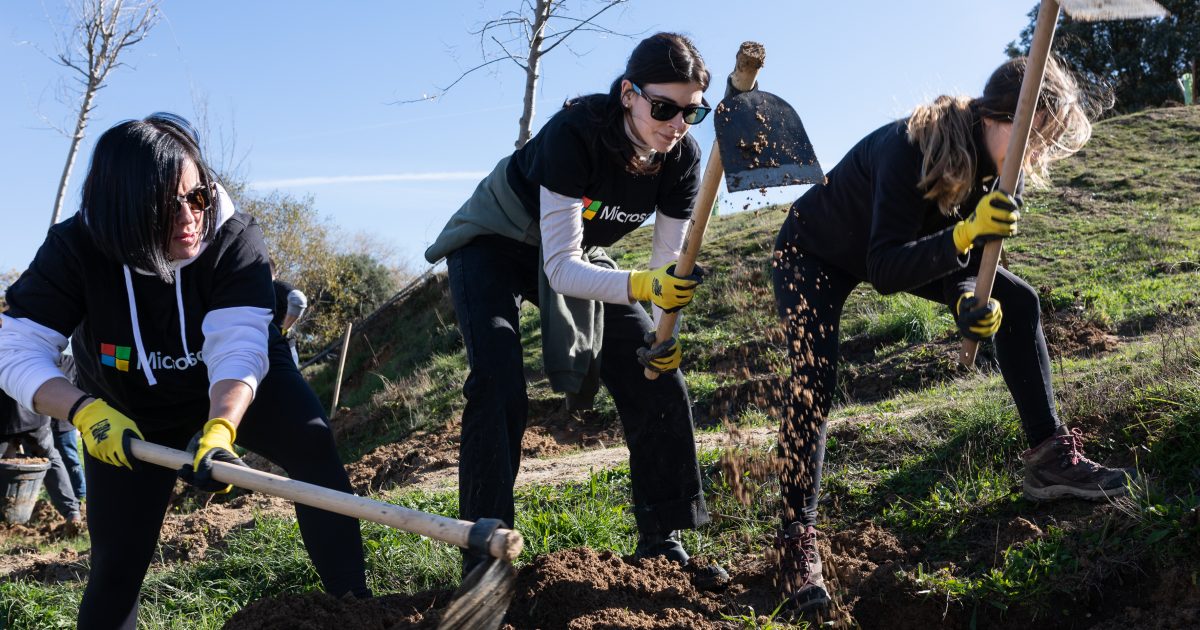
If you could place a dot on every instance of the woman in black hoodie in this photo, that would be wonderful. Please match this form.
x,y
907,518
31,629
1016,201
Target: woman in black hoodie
x,y
165,291
907,209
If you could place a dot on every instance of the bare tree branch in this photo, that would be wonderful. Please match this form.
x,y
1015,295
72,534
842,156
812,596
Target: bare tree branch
x,y
509,55
443,90
103,29
611,4
530,26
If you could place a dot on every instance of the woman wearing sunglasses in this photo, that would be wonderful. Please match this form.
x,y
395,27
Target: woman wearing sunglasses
x,y
533,231
165,291
908,209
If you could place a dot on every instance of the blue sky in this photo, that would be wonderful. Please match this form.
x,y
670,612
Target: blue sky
x,y
309,90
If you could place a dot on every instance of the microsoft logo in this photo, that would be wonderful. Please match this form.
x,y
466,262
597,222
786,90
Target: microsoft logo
x,y
590,208
115,356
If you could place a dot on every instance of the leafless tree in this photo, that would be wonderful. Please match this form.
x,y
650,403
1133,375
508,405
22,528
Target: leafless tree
x,y
101,30
526,35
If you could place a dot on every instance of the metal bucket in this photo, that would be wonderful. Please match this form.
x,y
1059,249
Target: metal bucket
x,y
19,485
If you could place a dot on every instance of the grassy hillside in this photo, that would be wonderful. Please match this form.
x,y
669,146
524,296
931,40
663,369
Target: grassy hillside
x,y
923,522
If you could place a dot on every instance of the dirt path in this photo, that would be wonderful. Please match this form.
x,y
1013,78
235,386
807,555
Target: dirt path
x,y
578,465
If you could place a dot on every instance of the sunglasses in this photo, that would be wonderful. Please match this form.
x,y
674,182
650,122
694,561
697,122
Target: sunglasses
x,y
666,110
198,199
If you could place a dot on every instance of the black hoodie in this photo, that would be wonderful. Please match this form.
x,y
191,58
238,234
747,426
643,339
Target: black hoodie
x,y
149,348
872,221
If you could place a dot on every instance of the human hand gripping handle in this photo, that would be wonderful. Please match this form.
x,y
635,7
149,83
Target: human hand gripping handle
x,y
660,358
995,216
977,322
662,287
106,433
213,442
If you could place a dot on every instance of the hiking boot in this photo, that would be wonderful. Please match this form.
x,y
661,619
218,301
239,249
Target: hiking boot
x,y
800,578
1057,468
708,577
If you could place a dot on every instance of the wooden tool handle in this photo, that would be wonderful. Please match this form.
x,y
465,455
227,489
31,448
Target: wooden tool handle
x,y
505,544
1031,87
750,58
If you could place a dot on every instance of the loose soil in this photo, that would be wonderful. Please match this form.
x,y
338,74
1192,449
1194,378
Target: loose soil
x,y
584,588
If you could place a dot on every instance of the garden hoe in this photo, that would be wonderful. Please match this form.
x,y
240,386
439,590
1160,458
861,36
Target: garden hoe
x,y
482,599
760,143
1031,87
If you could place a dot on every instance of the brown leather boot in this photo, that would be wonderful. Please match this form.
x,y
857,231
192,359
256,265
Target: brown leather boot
x,y
1057,468
800,578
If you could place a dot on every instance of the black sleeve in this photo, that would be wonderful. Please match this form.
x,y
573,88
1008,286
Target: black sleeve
x,y
683,183
899,258
242,276
563,160
51,291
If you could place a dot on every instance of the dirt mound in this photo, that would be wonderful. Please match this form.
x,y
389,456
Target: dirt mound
x,y
1069,334
575,589
860,567
582,588
391,465
190,536
44,525
67,565
319,611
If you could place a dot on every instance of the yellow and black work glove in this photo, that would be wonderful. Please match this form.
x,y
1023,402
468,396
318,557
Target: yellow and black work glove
x,y
995,216
106,433
213,442
662,287
977,322
661,358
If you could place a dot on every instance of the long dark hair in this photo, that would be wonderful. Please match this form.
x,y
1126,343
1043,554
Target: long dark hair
x,y
128,202
660,58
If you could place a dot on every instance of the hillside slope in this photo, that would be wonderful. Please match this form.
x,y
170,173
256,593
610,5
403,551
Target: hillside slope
x,y
923,523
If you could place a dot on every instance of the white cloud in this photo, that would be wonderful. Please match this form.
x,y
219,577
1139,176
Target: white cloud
x,y
300,182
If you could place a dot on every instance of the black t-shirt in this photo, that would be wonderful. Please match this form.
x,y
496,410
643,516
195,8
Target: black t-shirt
x,y
567,157
73,289
282,289
872,221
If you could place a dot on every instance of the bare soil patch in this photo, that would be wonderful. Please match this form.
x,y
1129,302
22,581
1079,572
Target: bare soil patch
x,y
319,611
1069,334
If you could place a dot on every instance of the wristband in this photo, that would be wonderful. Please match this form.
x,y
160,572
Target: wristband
x,y
75,407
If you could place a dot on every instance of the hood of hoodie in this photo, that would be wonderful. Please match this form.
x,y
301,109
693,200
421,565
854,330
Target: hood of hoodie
x,y
225,210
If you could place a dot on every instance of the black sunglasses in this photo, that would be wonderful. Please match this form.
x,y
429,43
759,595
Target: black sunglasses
x,y
666,110
198,199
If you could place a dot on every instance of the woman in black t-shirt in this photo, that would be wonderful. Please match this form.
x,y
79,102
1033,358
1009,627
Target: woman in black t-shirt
x,y
891,214
533,231
164,289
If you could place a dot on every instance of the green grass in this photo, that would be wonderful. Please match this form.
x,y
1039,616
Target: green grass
x,y
1118,240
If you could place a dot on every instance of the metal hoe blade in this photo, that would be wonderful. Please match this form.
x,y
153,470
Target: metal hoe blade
x,y
482,599
1097,10
763,143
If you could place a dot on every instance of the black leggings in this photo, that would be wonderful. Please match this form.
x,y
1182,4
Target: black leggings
x,y
810,294
285,424
488,280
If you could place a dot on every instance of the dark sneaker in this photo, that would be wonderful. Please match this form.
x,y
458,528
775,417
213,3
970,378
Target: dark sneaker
x,y
1057,469
74,527
800,578
706,577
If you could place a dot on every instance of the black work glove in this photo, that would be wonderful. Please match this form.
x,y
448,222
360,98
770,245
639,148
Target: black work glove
x,y
977,322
